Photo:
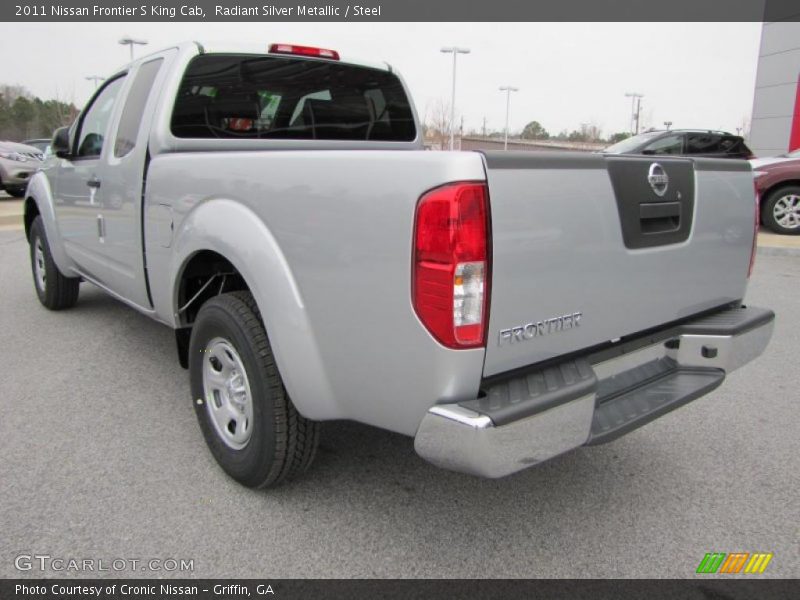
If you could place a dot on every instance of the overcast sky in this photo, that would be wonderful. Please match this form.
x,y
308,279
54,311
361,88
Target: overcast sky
x,y
693,74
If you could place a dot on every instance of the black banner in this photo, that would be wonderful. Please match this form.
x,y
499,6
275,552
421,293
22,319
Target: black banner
x,y
738,588
399,10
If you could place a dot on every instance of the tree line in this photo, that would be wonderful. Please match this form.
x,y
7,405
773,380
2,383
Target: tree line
x,y
436,121
587,132
24,116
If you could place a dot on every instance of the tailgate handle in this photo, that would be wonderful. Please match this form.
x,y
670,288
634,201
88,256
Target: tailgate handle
x,y
659,217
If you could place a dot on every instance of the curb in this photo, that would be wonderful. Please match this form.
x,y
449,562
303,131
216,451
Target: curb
x,y
11,221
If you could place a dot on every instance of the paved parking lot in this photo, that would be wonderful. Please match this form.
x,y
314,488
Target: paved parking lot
x,y
102,458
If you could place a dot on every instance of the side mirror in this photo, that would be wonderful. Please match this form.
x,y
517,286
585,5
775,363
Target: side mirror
x,y
60,144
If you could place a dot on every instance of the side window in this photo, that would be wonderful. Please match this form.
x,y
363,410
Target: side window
x,y
672,144
377,105
94,124
269,103
703,143
298,109
134,107
732,145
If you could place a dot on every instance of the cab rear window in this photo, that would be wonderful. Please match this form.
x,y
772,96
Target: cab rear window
x,y
268,97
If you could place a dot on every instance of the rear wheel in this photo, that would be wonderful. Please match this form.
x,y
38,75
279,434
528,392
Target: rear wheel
x,y
781,212
54,290
249,422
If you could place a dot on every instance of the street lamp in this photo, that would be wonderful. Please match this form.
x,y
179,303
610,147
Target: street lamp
x,y
96,78
455,50
667,124
636,106
130,42
507,89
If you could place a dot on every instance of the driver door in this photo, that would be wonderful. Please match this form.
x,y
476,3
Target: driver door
x,y
78,192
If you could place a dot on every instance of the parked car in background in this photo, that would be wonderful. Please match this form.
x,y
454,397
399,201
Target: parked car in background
x,y
41,144
778,185
688,142
17,163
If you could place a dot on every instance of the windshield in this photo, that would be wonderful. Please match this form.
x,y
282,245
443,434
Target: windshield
x,y
632,143
40,145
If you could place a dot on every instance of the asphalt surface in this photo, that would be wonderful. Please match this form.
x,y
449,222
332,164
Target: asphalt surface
x,y
103,459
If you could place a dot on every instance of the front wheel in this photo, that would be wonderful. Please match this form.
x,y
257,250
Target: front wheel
x,y
249,422
54,290
781,212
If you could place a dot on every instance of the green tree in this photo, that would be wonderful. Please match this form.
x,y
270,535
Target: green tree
x,y
23,116
534,131
576,136
23,113
619,136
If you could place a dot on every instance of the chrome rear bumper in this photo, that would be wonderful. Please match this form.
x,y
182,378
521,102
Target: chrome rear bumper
x,y
617,394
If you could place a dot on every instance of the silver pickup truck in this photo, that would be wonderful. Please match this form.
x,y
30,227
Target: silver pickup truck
x,y
276,208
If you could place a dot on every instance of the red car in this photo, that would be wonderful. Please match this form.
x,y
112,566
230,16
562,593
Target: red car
x,y
778,185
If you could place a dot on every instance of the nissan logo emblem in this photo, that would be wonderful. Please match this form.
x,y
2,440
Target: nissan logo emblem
x,y
658,179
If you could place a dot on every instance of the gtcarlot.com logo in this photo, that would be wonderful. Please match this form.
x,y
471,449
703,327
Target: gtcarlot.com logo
x,y
735,562
46,562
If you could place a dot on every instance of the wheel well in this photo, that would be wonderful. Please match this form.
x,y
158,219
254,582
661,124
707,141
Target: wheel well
x,y
206,274
779,185
31,212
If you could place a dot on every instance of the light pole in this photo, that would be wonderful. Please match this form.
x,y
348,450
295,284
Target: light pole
x,y
636,105
96,78
130,42
667,124
455,50
507,89
638,112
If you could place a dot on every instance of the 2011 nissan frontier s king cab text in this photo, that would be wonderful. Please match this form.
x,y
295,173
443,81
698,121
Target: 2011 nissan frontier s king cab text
x,y
275,207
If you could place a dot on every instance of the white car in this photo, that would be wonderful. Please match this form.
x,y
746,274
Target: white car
x,y
17,163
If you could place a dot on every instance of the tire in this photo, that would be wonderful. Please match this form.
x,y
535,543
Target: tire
x,y
16,192
781,211
249,422
54,290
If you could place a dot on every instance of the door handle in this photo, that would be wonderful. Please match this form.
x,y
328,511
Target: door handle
x,y
659,217
101,228
94,182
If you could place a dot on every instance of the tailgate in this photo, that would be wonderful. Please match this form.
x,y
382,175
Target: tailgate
x,y
589,248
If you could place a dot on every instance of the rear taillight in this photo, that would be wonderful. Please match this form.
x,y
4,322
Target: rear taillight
x,y
756,223
452,265
303,51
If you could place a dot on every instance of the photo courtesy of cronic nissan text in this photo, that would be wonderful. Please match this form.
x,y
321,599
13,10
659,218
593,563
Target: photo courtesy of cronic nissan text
x,y
442,299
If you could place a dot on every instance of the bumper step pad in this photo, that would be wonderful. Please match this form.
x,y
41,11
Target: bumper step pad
x,y
622,412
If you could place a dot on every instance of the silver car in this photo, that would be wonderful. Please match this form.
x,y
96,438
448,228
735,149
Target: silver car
x,y
17,163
